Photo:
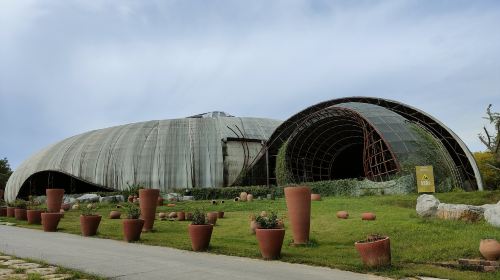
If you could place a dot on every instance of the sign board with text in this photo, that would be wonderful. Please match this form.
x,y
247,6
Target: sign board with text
x,y
425,179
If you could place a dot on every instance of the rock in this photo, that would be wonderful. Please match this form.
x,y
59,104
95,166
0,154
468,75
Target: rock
x,y
40,199
90,197
42,271
488,206
461,212
25,266
243,196
249,197
69,199
427,205
162,215
492,216
75,207
173,197
172,215
112,199
188,197
115,214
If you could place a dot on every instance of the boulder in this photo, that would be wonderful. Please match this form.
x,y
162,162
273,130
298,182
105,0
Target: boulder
x,y
173,197
492,216
461,212
90,197
112,199
427,205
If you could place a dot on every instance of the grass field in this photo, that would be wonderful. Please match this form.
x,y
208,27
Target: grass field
x,y
417,244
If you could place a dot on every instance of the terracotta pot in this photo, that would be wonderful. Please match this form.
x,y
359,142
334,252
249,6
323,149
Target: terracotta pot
x,y
89,224
315,197
130,198
200,236
66,206
181,216
249,197
298,202
148,200
243,196
253,226
20,214
490,249
3,211
342,215
54,199
189,216
160,201
34,217
50,221
270,242
132,229
115,215
376,253
11,212
220,214
212,217
368,216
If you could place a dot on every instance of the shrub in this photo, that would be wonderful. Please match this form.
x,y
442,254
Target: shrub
x,y
132,211
491,177
267,222
199,217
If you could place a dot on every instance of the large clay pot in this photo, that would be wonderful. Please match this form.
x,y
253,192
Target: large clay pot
x,y
115,214
11,212
20,214
181,216
368,216
3,211
200,236
132,229
148,200
89,224
54,199
50,221
315,197
270,242
34,217
376,253
220,214
212,217
250,197
342,215
490,249
298,202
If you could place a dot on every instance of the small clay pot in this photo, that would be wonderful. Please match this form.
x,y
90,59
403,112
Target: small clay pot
x,y
212,217
89,224
34,217
315,197
115,214
243,196
11,212
132,229
3,211
368,216
50,221
490,249
249,197
220,214
20,214
342,215
181,216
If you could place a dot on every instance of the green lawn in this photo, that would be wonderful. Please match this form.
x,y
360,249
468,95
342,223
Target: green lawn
x,y
416,243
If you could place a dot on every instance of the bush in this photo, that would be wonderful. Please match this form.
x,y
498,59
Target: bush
x,y
491,177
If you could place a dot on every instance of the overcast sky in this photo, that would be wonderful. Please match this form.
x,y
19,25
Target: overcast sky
x,y
67,67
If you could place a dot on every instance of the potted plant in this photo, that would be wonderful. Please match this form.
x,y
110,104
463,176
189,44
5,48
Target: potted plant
x,y
132,225
3,208
20,210
34,213
54,199
270,236
375,250
89,220
148,200
298,203
11,206
200,231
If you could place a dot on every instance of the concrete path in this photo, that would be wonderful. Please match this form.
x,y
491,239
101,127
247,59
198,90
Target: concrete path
x,y
121,260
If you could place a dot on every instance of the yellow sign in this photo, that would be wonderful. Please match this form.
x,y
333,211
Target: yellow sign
x,y
425,179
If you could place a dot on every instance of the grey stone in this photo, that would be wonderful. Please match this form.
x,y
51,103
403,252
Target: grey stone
x,y
14,277
90,197
42,271
427,205
459,212
188,197
488,206
492,216
6,271
25,265
173,197
57,276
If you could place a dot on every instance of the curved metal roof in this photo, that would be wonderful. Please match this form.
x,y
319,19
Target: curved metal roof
x,y
161,154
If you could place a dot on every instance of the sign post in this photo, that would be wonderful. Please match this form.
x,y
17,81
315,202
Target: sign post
x,y
425,179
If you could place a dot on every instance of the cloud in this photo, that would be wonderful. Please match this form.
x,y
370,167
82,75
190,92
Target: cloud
x,y
68,67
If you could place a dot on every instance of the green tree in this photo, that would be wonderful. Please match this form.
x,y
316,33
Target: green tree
x,y
5,172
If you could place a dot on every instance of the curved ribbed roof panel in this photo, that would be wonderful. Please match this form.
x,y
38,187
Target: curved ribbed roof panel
x,y
162,154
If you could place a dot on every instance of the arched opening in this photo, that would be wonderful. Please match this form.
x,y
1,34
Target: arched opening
x,y
348,163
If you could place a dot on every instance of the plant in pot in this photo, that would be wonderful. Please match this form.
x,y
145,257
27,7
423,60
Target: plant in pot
x,y
54,199
298,203
132,225
11,207
200,231
270,235
20,210
89,220
375,250
148,200
34,212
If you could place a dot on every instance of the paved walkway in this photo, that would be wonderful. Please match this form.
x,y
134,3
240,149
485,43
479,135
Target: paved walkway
x,y
121,260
